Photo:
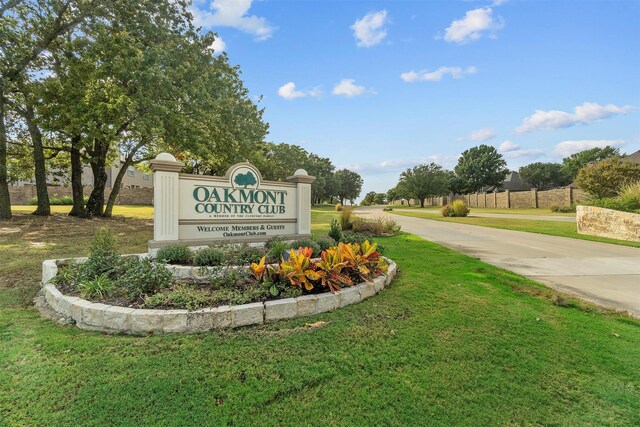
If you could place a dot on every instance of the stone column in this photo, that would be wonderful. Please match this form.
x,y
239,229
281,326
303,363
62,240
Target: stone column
x,y
534,196
508,192
303,200
166,197
569,195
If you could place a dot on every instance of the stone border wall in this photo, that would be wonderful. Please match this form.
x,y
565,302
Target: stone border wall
x,y
136,321
127,196
610,223
510,199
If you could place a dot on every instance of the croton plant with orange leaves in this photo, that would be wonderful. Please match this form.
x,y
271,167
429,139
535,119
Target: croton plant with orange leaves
x,y
337,266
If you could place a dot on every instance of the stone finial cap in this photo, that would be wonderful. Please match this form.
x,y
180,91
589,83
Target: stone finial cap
x,y
301,175
165,162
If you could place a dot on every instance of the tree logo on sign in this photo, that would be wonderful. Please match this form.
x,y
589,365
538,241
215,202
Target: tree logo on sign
x,y
245,180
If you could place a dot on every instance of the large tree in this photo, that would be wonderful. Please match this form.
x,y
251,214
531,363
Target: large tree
x,y
28,28
481,166
577,161
425,180
544,176
348,185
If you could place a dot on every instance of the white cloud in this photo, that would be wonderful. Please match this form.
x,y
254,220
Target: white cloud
x,y
348,87
472,26
288,91
218,45
233,13
482,134
586,113
511,150
370,30
567,148
437,75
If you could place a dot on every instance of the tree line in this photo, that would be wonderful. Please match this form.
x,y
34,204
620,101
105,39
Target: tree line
x,y
98,82
482,168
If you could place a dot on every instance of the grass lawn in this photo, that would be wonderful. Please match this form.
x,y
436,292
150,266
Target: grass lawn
x,y
512,211
554,228
452,341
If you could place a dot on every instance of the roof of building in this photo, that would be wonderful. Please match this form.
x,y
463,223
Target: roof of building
x,y
633,158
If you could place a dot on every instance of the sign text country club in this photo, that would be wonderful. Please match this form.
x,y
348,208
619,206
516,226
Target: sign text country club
x,y
239,206
211,199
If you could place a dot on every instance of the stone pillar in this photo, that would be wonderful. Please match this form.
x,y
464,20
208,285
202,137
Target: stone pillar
x,y
534,197
495,198
508,194
303,201
569,195
166,197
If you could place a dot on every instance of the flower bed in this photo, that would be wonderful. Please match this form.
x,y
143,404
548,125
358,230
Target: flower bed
x,y
106,289
118,319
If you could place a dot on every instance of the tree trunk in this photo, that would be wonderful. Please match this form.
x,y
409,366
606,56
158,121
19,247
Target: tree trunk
x,y
95,204
44,208
5,199
422,202
76,178
115,188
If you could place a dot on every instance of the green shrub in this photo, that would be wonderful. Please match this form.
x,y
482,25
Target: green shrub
x,y
144,277
605,178
335,231
54,201
459,208
351,237
377,226
387,209
338,207
178,297
103,258
228,277
175,254
447,211
325,242
208,257
307,243
345,217
628,204
97,287
243,254
563,209
275,249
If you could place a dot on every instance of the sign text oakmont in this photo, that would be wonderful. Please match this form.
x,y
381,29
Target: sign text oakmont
x,y
240,206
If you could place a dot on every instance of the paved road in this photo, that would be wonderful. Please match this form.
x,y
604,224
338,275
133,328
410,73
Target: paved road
x,y
502,215
606,274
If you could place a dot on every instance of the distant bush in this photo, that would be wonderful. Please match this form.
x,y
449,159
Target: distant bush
x,y
387,209
335,231
345,217
563,209
175,254
57,201
460,208
377,226
208,257
605,178
446,210
338,207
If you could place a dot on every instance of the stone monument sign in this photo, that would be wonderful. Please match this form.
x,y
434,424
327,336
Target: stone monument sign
x,y
197,210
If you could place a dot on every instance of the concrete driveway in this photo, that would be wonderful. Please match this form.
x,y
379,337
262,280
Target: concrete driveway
x,y
603,273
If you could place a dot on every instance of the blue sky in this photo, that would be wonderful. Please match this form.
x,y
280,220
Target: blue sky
x,y
382,86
